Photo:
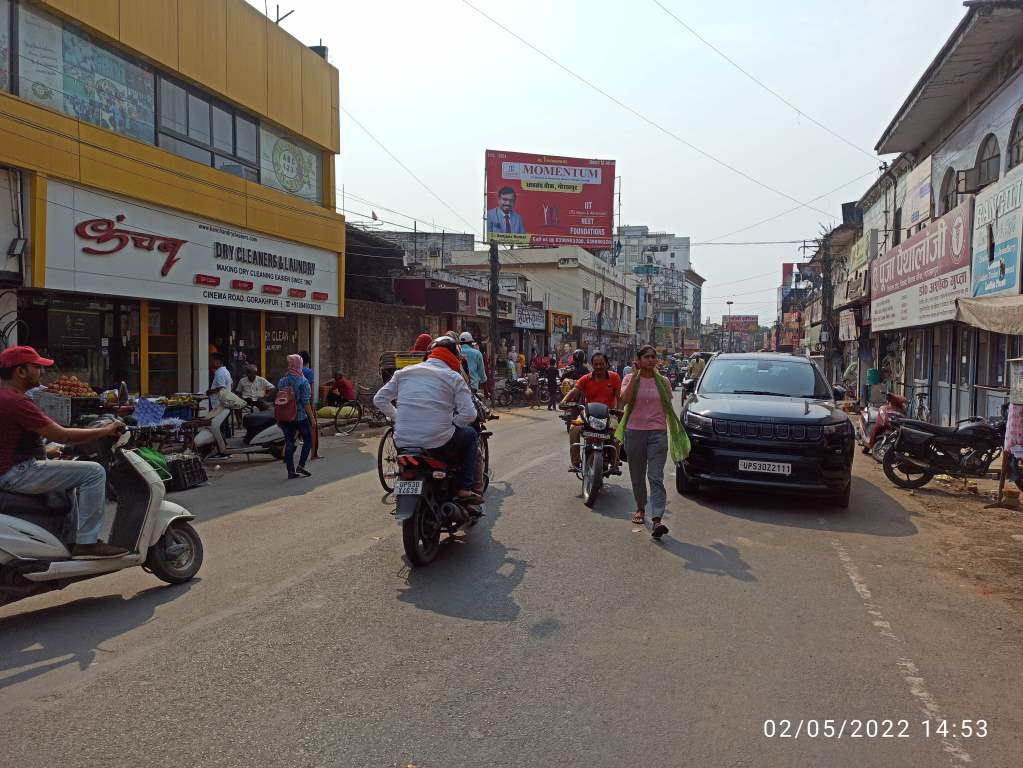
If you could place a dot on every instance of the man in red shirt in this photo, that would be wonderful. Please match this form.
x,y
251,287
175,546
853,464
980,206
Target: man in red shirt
x,y
23,464
601,386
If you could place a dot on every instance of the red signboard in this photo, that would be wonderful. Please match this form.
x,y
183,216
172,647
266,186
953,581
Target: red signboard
x,y
546,201
740,323
918,281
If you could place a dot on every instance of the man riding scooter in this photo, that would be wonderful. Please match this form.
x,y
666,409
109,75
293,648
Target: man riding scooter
x,y
435,411
601,386
23,464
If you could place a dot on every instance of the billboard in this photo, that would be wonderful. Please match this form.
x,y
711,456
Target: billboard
x,y
997,231
918,194
740,323
546,201
918,281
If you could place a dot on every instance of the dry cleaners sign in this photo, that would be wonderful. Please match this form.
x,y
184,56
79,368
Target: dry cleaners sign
x,y
104,244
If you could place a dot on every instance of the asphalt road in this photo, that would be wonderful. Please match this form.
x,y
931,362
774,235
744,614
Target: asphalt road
x,y
550,635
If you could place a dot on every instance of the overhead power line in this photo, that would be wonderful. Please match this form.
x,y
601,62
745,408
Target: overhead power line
x,y
764,85
644,118
408,170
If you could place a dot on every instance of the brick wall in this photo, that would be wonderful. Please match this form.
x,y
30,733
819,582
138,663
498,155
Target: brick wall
x,y
353,344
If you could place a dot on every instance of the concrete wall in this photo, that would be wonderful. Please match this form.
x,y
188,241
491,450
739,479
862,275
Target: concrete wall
x,y
353,344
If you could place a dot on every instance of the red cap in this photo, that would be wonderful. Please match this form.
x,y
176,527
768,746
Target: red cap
x,y
15,356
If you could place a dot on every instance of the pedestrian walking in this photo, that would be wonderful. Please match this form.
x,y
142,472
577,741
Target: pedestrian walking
x,y
551,376
650,430
314,425
295,418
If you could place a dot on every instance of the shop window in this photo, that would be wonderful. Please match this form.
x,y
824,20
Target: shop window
x,y
5,45
196,127
163,349
989,160
281,340
1015,140
949,195
62,68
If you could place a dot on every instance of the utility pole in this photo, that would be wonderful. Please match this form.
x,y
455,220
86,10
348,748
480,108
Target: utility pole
x,y
729,303
495,276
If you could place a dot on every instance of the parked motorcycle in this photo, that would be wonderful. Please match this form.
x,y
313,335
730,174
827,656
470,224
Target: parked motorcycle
x,y
875,431
37,531
921,450
597,448
262,432
514,393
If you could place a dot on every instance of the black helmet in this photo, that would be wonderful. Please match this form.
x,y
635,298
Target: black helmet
x,y
444,341
579,357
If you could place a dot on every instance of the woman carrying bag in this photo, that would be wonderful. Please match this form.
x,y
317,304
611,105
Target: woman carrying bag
x,y
650,430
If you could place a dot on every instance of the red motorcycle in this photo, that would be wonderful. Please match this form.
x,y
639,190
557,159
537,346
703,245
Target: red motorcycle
x,y
875,431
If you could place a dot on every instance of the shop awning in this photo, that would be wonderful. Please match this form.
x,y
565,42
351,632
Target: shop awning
x,y
1000,314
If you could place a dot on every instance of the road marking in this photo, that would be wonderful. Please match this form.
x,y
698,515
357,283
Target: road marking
x,y
529,465
908,670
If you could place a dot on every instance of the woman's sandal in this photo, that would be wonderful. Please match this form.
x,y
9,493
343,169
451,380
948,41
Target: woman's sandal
x,y
639,518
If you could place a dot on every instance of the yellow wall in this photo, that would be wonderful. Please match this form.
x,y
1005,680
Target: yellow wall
x,y
228,48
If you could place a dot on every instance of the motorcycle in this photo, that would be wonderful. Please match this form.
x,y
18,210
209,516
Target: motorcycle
x,y
921,450
598,447
514,393
875,431
37,531
262,432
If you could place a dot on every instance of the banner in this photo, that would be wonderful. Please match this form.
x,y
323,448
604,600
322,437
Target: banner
x,y
559,323
740,323
918,195
847,330
997,230
918,281
863,251
287,166
530,318
547,201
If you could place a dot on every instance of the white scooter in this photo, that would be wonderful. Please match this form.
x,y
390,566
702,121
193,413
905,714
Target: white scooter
x,y
36,530
262,432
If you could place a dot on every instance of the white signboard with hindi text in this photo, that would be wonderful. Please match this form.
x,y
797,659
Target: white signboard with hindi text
x,y
103,244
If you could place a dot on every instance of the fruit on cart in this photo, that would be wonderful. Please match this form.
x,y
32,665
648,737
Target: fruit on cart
x,y
71,386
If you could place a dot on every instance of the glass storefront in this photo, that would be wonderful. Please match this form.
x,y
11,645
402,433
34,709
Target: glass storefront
x,y
281,340
234,333
163,349
97,340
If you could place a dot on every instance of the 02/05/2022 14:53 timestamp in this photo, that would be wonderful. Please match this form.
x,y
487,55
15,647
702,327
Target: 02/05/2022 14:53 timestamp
x,y
870,728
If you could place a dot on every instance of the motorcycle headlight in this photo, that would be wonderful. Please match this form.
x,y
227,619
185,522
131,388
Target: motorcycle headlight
x,y
598,424
840,429
699,423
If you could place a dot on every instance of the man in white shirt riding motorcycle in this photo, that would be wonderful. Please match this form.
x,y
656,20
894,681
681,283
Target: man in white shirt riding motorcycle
x,y
435,411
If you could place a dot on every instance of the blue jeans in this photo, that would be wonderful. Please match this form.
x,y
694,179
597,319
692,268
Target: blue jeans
x,y
462,448
87,477
302,428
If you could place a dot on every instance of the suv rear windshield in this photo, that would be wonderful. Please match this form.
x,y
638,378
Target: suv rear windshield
x,y
764,377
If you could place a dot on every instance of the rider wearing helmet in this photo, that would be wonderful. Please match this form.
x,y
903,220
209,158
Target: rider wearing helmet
x,y
435,410
577,368
474,362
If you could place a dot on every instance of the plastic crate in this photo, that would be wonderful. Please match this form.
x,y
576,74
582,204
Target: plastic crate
x,y
183,412
186,471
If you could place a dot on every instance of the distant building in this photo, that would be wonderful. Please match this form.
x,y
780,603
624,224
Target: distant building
x,y
432,249
641,246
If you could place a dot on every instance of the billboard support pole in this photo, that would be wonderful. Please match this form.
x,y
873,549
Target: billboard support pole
x,y
495,272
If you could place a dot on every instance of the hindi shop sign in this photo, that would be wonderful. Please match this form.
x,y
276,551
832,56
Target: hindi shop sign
x,y
530,318
104,244
918,281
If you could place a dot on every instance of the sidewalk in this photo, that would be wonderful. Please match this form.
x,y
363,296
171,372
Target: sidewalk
x,y
982,545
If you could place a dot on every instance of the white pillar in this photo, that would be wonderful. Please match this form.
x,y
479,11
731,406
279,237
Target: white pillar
x,y
200,348
184,348
314,352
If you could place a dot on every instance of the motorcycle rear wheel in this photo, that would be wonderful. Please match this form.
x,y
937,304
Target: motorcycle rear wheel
x,y
420,536
904,474
593,477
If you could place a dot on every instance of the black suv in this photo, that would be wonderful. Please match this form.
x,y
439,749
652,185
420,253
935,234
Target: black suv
x,y
767,421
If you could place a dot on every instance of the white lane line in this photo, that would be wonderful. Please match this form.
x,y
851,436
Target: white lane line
x,y
528,465
908,670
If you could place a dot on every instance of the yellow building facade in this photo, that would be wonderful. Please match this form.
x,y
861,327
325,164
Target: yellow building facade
x,y
168,166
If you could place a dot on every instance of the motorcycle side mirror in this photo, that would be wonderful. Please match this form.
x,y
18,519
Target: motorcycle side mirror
x,y
688,385
838,393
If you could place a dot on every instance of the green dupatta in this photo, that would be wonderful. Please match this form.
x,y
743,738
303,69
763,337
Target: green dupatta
x,y
678,440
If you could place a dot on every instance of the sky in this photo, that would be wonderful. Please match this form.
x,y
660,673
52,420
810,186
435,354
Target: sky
x,y
437,84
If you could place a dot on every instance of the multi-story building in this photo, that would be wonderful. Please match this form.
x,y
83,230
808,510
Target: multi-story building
x,y
170,169
432,249
578,290
641,246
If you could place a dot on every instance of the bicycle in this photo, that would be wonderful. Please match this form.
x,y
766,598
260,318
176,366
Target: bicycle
x,y
351,413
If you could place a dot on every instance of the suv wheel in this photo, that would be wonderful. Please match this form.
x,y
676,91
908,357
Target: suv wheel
x,y
683,483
